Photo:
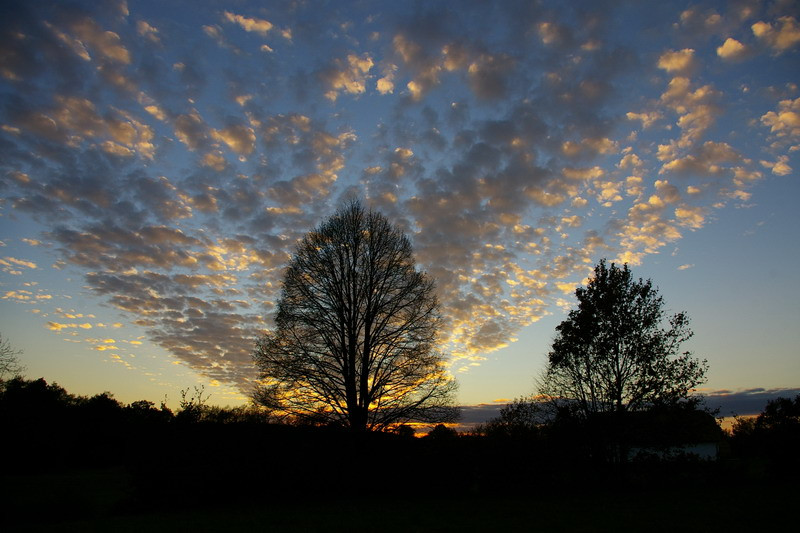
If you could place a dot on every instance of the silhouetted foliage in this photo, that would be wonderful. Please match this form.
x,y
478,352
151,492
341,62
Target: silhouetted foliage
x,y
671,430
192,406
612,353
33,402
79,457
9,360
780,414
146,412
743,426
356,327
522,418
101,408
440,431
772,438
405,431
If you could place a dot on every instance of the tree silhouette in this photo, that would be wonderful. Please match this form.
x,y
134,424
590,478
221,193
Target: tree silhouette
x,y
9,360
356,330
772,438
192,406
612,354
521,418
780,413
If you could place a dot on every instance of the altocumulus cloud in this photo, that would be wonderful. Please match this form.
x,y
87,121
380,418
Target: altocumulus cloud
x,y
175,164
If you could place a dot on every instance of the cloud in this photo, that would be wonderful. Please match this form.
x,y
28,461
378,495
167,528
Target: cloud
x,y
582,173
149,32
696,108
347,75
708,159
487,75
647,119
74,120
589,147
745,402
779,167
20,295
732,50
472,415
553,33
700,22
238,137
785,122
57,326
677,61
107,43
175,171
781,36
425,67
691,217
8,261
385,85
260,26
191,130
215,160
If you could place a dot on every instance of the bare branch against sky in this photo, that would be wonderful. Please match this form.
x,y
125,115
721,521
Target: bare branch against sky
x,y
355,334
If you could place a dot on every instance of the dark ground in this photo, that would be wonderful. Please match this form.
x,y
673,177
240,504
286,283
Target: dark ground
x,y
105,499
135,470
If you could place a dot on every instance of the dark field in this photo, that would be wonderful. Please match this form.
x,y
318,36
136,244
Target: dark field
x,y
83,466
100,500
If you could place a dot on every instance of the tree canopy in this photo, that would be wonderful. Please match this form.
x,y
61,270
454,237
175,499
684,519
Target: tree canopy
x,y
523,417
618,351
355,332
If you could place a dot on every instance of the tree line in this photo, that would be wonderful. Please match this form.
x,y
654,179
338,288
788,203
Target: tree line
x,y
354,348
70,458
46,429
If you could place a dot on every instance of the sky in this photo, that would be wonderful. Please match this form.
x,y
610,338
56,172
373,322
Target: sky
x,y
159,161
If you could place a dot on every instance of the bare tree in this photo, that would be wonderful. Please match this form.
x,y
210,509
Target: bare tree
x,y
356,330
9,360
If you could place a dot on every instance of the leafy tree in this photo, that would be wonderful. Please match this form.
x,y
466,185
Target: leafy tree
x,y
405,431
34,402
145,411
780,414
101,408
356,329
9,360
442,432
520,418
771,438
614,353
